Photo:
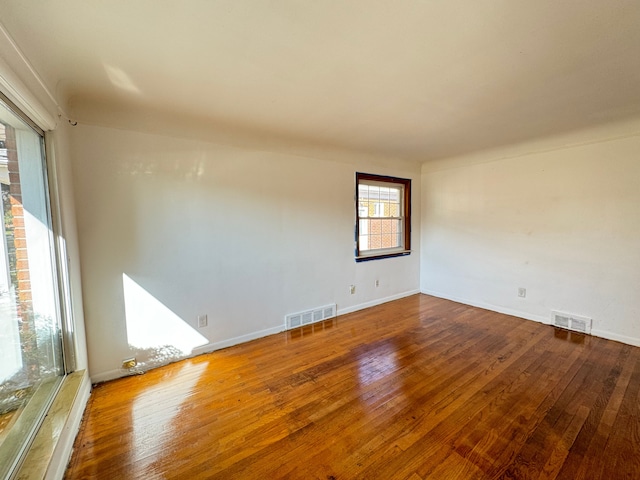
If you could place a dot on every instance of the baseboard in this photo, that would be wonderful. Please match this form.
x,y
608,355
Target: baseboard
x,y
618,338
211,347
536,318
373,303
108,375
207,348
493,308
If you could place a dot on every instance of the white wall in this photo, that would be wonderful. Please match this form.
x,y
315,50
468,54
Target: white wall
x,y
563,223
242,235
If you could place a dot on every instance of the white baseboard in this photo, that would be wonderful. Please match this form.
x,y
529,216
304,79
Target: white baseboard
x,y
207,348
373,303
618,338
536,318
493,308
210,347
108,375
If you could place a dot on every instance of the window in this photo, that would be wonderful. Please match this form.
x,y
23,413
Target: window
x,y
383,211
31,361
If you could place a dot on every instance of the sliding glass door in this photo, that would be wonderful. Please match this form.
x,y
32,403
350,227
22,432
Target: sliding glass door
x,y
31,357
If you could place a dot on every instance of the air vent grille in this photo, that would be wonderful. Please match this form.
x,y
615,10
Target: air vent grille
x,y
561,321
579,325
573,322
295,320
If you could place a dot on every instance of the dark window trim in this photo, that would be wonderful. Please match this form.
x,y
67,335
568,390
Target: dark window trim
x,y
406,250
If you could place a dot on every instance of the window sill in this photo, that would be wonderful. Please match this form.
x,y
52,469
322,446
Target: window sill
x,y
38,460
380,256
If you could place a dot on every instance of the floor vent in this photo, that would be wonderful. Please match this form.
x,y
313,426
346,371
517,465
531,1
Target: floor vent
x,y
569,321
300,319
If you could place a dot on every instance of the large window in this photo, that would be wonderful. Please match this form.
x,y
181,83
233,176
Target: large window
x,y
383,216
31,361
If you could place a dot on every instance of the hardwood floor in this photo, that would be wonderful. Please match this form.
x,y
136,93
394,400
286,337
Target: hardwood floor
x,y
417,388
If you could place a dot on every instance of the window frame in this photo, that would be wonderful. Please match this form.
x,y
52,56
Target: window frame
x,y
28,423
380,253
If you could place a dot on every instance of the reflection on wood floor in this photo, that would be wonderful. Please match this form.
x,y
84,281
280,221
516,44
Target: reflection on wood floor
x,y
416,388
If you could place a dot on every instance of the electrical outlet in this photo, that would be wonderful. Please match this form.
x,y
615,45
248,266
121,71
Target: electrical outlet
x,y
377,283
352,289
129,363
202,321
522,292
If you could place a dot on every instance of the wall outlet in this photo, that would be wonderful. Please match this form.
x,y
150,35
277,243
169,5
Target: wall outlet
x,y
352,289
377,283
202,321
129,363
522,292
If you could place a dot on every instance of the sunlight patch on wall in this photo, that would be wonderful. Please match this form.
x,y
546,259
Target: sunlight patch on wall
x,y
151,326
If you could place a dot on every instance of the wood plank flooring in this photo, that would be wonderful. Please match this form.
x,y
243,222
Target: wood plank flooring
x,y
413,389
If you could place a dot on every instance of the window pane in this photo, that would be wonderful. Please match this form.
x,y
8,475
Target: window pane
x,y
375,226
375,241
30,339
363,209
379,210
363,192
384,194
388,240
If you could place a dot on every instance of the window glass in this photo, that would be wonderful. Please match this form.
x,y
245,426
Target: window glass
x,y
31,364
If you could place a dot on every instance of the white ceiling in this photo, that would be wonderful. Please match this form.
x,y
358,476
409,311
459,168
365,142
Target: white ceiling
x,y
411,79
